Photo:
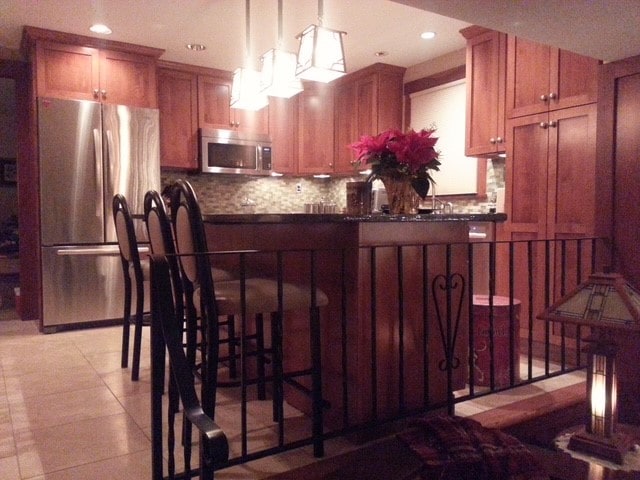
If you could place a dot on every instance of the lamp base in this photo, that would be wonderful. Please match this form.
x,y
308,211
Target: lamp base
x,y
612,449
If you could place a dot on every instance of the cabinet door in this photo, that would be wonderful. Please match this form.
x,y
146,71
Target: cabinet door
x,y
346,122
526,176
485,78
128,79
214,95
67,71
574,79
528,85
178,103
571,195
252,121
283,125
315,135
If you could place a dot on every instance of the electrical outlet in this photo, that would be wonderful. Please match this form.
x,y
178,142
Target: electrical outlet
x,y
298,188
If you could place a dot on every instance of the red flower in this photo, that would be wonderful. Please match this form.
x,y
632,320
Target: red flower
x,y
395,153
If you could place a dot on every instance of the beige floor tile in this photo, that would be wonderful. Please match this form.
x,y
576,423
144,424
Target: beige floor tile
x,y
34,356
9,468
120,384
51,449
53,379
63,408
135,466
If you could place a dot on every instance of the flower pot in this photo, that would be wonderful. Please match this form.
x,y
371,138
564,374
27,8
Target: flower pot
x,y
401,196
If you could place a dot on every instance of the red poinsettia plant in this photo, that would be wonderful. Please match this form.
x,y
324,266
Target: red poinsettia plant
x,y
393,153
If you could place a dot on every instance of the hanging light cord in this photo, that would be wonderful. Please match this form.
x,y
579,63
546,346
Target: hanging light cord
x,y
247,15
320,11
279,23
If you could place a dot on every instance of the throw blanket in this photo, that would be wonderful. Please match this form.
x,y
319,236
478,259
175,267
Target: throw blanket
x,y
458,448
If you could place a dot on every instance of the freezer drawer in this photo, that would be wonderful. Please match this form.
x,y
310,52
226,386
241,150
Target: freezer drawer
x,y
81,284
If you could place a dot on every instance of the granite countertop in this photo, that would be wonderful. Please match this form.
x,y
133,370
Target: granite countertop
x,y
339,218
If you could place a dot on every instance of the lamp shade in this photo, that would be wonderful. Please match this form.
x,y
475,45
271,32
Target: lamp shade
x,y
321,54
278,74
245,91
604,300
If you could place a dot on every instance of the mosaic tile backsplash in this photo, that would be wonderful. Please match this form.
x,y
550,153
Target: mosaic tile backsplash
x,y
233,194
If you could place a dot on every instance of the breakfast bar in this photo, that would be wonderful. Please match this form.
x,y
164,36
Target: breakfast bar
x,y
397,288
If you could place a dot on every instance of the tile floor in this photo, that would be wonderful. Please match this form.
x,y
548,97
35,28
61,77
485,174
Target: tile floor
x,y
68,411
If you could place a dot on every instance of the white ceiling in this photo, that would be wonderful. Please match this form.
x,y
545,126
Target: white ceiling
x,y
605,29
371,26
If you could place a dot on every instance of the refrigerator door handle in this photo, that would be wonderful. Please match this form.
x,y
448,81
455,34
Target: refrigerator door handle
x,y
97,147
108,166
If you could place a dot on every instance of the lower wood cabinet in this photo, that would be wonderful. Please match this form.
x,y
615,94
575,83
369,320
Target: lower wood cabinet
x,y
551,156
550,193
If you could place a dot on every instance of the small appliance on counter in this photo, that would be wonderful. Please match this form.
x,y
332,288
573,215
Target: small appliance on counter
x,y
379,200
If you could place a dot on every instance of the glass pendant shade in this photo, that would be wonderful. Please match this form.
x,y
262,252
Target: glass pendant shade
x,y
245,91
321,54
278,75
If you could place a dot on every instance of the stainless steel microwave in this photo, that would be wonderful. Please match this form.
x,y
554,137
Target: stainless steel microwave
x,y
230,151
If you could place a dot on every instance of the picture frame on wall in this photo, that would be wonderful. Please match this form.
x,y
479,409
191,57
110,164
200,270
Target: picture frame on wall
x,y
8,171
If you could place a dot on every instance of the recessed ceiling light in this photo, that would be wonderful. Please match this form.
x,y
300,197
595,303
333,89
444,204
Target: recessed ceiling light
x,y
427,35
381,53
196,47
100,28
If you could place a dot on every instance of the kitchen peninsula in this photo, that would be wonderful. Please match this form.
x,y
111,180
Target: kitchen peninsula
x,y
385,276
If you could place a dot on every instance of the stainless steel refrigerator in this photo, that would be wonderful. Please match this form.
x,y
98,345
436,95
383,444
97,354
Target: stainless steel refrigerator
x,y
88,152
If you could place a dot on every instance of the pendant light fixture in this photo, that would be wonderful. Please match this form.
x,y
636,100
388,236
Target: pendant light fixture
x,y
321,53
245,91
278,76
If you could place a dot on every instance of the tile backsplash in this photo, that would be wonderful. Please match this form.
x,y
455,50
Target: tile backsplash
x,y
219,194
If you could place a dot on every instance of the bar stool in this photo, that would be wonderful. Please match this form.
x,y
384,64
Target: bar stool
x,y
134,272
244,297
161,240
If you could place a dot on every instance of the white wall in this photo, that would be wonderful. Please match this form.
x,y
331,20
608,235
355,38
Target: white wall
x,y
444,107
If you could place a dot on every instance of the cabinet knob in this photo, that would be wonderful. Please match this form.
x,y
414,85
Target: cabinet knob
x,y
553,123
543,98
492,140
95,93
544,124
499,140
552,96
104,93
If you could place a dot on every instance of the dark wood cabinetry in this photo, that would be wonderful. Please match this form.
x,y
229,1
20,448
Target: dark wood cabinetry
x,y
367,102
283,126
542,78
486,60
214,110
74,67
315,130
550,156
178,103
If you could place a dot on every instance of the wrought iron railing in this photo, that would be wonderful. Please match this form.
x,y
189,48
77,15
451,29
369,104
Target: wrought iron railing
x,y
409,328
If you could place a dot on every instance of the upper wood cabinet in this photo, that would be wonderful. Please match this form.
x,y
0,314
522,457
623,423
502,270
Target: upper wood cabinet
x,y
367,102
78,68
214,110
315,129
486,62
178,104
283,128
542,78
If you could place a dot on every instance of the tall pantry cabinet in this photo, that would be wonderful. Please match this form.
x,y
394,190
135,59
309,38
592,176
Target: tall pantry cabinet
x,y
551,124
